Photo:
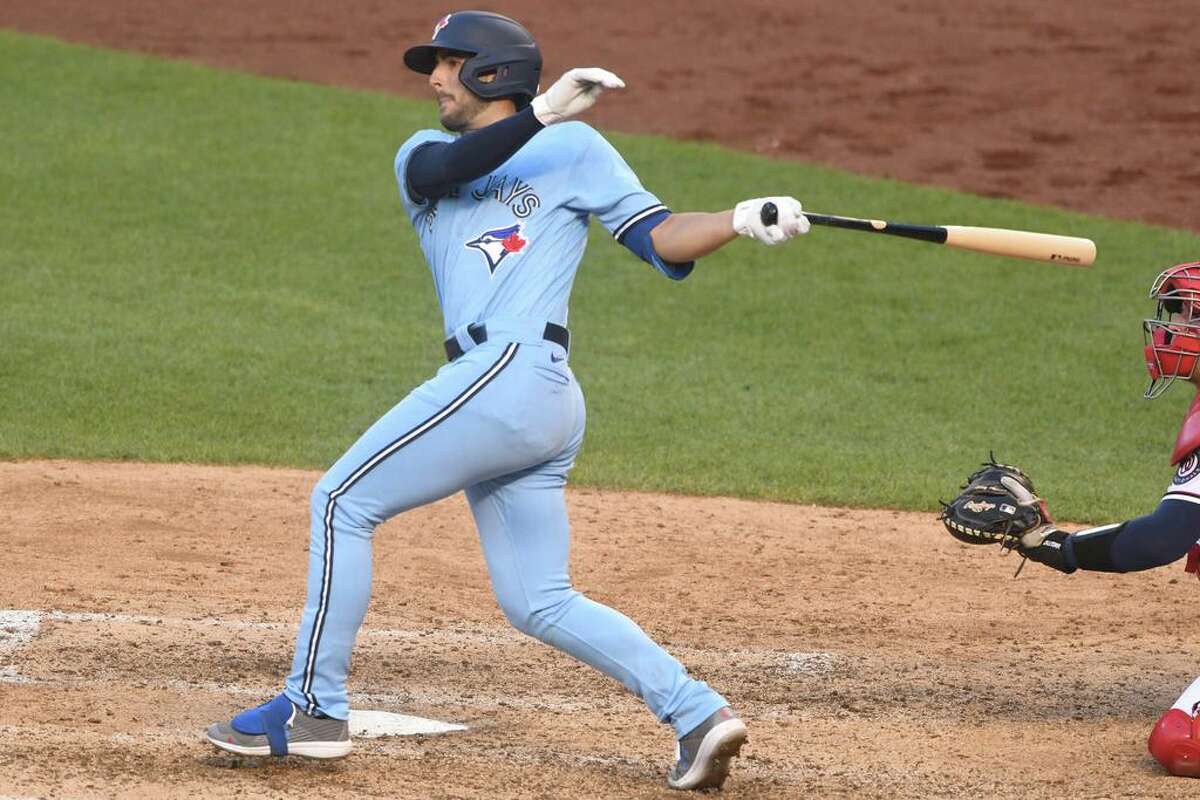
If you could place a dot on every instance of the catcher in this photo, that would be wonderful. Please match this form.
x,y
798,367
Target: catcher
x,y
999,504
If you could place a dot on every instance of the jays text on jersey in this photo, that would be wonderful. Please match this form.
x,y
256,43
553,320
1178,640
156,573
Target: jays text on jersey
x,y
509,243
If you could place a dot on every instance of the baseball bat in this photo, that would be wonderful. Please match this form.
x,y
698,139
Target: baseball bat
x,y
1070,250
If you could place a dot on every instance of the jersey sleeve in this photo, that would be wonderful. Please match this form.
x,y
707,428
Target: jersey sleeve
x,y
414,208
636,239
605,187
1186,483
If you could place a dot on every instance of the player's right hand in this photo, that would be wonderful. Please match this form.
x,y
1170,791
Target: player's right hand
x,y
791,222
573,93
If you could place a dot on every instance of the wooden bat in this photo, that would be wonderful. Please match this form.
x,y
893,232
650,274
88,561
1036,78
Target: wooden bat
x,y
1070,250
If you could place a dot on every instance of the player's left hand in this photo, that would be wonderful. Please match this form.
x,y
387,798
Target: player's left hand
x,y
996,505
573,93
747,220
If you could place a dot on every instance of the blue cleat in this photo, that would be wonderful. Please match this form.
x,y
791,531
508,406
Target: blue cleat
x,y
279,728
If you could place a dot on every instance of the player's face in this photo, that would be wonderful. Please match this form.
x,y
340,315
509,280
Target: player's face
x,y
1172,338
457,105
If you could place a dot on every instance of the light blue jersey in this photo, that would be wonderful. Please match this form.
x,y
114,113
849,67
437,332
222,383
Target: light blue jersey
x,y
501,214
502,421
509,243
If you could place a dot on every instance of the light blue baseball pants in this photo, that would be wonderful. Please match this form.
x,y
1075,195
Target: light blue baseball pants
x,y
504,422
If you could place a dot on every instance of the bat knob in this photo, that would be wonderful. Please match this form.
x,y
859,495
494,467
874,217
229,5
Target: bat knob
x,y
769,214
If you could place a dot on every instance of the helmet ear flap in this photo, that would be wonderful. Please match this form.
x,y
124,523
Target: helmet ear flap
x,y
504,72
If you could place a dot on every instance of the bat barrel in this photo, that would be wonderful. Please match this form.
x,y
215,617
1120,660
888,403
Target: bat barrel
x,y
1070,250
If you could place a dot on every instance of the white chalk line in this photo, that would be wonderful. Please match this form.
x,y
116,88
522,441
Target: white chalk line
x,y
18,628
803,662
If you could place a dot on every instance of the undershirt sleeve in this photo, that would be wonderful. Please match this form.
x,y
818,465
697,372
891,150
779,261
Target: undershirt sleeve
x,y
1157,539
1154,540
434,168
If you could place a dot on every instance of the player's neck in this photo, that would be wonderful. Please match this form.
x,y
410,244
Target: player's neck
x,y
492,112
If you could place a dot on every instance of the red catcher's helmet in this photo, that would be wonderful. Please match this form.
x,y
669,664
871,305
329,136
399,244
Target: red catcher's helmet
x,y
1173,336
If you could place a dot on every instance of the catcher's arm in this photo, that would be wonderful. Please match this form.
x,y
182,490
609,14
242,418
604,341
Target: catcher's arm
x,y
998,505
1153,540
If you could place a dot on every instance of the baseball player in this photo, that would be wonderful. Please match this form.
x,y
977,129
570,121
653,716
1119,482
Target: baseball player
x,y
500,202
1166,535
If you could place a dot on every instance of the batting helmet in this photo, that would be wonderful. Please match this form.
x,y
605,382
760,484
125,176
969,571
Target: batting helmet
x,y
498,46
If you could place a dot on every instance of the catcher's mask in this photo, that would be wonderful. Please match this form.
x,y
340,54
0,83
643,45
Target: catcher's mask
x,y
504,59
1173,336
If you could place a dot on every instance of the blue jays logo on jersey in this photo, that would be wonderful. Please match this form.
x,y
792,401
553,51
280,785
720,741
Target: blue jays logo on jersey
x,y
498,244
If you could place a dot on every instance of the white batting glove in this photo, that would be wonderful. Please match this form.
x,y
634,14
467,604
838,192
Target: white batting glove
x,y
573,93
747,220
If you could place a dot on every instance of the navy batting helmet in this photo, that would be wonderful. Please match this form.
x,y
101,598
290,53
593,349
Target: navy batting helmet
x,y
498,47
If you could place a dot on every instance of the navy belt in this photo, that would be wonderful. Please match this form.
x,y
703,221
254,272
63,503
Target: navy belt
x,y
478,333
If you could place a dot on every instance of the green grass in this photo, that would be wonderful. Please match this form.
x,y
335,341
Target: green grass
x,y
210,267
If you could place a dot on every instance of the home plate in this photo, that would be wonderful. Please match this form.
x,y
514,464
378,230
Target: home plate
x,y
370,724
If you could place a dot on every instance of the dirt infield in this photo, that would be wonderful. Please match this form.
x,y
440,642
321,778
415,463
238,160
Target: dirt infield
x,y
873,655
1087,105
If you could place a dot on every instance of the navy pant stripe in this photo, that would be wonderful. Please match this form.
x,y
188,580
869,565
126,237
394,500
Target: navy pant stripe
x,y
395,446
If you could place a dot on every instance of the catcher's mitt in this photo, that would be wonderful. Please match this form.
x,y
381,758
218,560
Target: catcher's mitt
x,y
997,504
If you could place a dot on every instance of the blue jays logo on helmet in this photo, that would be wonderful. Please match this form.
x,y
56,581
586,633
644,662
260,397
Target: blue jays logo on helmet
x,y
441,23
498,244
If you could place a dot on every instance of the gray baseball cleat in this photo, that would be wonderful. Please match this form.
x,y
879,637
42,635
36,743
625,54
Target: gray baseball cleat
x,y
280,728
703,755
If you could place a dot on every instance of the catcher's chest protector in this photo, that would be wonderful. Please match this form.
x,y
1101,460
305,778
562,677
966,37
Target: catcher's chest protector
x,y
1189,434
